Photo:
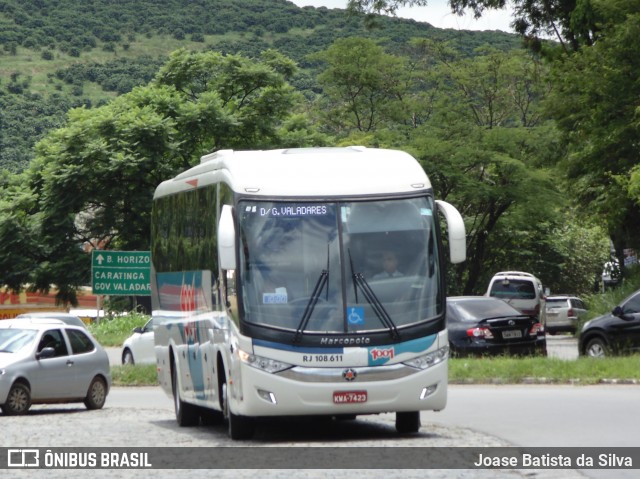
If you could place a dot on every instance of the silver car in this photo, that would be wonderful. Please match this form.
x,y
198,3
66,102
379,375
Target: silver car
x,y
49,361
563,313
64,317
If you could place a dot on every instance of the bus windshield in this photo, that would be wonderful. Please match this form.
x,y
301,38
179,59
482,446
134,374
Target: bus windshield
x,y
339,267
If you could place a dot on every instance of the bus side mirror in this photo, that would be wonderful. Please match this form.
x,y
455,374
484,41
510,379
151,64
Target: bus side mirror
x,y
227,239
456,229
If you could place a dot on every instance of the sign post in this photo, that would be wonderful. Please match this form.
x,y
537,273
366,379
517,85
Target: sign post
x,y
125,273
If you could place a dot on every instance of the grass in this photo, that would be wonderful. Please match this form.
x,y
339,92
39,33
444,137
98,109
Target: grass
x,y
504,370
134,375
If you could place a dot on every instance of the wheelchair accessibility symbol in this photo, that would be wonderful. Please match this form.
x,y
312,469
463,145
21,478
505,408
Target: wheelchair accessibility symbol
x,y
356,315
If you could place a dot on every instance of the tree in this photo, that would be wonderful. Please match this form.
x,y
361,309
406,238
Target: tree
x,y
573,23
487,175
484,154
362,84
19,235
595,103
583,248
93,179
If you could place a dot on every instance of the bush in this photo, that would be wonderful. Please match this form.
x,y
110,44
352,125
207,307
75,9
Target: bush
x,y
111,331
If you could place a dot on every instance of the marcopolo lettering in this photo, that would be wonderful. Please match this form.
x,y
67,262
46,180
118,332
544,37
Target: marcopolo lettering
x,y
345,341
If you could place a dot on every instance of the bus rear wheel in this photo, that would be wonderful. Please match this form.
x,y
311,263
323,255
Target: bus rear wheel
x,y
186,414
240,427
408,422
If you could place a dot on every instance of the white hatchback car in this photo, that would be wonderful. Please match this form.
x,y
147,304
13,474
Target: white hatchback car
x,y
49,361
139,347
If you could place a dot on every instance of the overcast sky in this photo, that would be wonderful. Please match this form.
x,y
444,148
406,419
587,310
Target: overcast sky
x,y
437,13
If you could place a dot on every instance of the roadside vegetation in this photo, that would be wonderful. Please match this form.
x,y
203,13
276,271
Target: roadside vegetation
x,y
112,331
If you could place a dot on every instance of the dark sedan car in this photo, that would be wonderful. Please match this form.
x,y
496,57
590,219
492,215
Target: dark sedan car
x,y
617,332
479,325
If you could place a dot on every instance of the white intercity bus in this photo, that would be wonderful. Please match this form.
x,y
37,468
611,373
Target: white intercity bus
x,y
302,281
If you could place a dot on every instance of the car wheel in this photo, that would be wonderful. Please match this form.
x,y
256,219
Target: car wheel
x,y
127,357
240,427
408,422
18,400
97,394
596,348
186,414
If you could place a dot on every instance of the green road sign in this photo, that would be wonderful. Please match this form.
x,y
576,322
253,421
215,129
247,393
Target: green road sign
x,y
121,273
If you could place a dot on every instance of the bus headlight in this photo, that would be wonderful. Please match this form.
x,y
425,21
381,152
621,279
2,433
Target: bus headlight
x,y
430,359
264,364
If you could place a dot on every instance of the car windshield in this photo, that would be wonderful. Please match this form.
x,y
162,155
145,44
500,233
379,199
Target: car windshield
x,y
476,310
13,340
513,289
339,266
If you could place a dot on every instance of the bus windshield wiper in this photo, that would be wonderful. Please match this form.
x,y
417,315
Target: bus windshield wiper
x,y
359,281
313,300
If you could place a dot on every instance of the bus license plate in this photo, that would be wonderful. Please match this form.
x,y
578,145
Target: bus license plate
x,y
512,334
349,397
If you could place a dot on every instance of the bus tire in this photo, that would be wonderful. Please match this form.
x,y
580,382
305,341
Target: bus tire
x,y
239,427
408,422
186,414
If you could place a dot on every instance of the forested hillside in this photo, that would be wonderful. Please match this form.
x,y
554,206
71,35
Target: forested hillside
x,y
536,147
60,54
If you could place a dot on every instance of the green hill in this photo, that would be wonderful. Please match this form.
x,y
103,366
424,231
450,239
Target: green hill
x,y
60,54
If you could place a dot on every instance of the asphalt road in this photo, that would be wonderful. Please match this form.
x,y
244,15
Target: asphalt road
x,y
144,417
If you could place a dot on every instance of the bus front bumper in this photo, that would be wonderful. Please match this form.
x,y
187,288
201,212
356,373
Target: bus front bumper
x,y
318,391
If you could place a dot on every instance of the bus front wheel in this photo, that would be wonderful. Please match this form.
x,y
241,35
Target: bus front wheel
x,y
240,427
408,422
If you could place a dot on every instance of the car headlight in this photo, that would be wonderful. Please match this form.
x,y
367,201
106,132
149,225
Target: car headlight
x,y
264,364
430,359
